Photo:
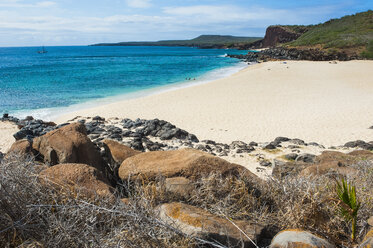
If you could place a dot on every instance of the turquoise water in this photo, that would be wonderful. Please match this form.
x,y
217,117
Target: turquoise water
x,y
65,76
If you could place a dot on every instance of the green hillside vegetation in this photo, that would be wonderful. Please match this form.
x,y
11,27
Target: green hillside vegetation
x,y
354,31
201,41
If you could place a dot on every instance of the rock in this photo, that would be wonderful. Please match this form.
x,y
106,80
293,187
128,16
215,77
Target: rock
x,y
343,158
368,240
179,186
1,156
281,139
359,143
307,158
265,163
5,115
188,163
21,147
238,145
23,134
252,143
77,178
98,118
291,156
117,152
69,144
333,167
298,239
198,222
270,146
297,142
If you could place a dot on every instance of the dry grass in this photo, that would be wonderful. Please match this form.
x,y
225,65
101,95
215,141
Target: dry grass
x,y
33,215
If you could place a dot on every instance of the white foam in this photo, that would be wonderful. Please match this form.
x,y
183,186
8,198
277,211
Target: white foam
x,y
49,114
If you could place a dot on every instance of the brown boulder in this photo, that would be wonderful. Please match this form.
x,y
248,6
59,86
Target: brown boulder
x,y
188,163
198,222
344,158
117,153
21,147
333,167
298,239
82,178
69,144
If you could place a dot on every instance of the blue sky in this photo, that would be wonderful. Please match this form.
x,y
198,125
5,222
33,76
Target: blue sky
x,y
81,22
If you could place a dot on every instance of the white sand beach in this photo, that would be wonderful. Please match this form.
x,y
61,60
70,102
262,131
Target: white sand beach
x,y
316,101
7,130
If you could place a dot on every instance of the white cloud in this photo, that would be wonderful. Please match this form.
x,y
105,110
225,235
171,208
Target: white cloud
x,y
45,4
139,3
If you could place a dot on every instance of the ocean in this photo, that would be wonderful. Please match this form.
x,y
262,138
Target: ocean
x,y
68,78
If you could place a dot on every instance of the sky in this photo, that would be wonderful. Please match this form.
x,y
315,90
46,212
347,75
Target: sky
x,y
83,22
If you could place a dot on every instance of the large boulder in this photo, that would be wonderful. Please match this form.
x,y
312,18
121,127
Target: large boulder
x,y
336,163
68,144
187,163
80,178
21,147
198,222
117,153
332,168
298,239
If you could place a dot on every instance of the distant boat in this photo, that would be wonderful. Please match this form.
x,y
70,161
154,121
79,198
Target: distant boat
x,y
42,51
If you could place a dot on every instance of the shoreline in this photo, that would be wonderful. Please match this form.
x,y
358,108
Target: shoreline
x,y
53,114
330,107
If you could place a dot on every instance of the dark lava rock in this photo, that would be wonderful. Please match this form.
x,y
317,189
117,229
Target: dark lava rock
x,y
371,127
252,143
291,156
359,143
281,139
265,163
1,156
298,142
307,158
270,146
209,142
5,116
98,118
238,145
22,134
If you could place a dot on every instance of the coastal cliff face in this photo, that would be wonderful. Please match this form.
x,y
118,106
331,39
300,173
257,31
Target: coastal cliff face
x,y
281,34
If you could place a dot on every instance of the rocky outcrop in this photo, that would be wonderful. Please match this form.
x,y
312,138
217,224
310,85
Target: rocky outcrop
x,y
200,223
68,144
283,53
280,34
188,163
298,239
81,179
